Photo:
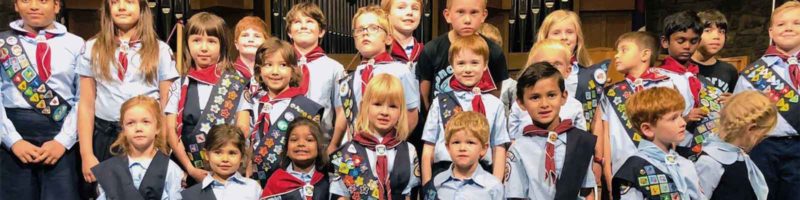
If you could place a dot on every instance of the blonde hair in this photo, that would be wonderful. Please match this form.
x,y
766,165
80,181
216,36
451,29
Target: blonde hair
x,y
472,122
644,41
386,5
474,43
789,5
565,15
213,26
547,45
388,89
383,22
103,57
648,106
270,47
121,145
743,109
250,22
450,3
490,31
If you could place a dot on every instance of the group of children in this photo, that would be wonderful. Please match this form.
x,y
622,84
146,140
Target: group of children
x,y
281,120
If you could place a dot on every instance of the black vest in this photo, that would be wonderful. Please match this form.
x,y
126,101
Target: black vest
x,y
197,192
734,183
191,110
115,178
639,174
577,159
398,177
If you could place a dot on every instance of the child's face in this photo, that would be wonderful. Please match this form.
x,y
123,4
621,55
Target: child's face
x,y
712,40
383,115
305,31
204,49
37,13
225,161
543,101
468,67
276,72
371,39
681,45
556,58
565,32
248,41
785,30
140,127
466,16
404,15
302,146
669,129
629,56
125,13
465,149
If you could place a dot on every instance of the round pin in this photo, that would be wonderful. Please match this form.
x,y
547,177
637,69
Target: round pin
x,y
600,76
343,89
2,42
289,116
267,107
11,40
283,125
16,50
638,82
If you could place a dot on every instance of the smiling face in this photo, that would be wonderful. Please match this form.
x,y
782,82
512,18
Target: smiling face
x,y
37,13
565,32
248,41
468,67
543,101
225,160
302,146
305,31
383,115
140,127
785,30
125,13
404,15
681,44
370,37
465,149
205,50
276,72
466,16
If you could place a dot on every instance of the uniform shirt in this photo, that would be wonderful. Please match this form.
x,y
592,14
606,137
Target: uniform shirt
x,y
396,69
686,169
710,166
138,168
782,68
508,94
304,176
65,49
481,185
278,107
681,82
324,81
237,187
526,168
518,119
204,92
434,132
571,81
339,188
110,94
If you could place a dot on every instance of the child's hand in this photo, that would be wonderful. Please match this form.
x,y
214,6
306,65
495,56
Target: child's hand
x,y
51,152
724,98
88,161
331,149
197,174
696,114
25,151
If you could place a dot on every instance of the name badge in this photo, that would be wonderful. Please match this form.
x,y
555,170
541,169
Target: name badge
x,y
308,190
670,158
552,137
380,150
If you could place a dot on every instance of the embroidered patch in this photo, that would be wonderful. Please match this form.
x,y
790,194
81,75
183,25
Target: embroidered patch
x,y
11,40
16,50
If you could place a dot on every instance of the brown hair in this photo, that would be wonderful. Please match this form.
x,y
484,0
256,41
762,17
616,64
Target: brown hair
x,y
709,17
474,43
106,44
308,9
121,145
386,5
648,106
270,47
472,122
743,109
322,159
383,88
783,8
565,15
223,134
490,31
383,22
250,22
211,25
643,40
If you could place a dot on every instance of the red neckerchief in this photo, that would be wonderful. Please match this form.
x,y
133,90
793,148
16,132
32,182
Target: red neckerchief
x,y
122,57
263,119
672,65
366,74
206,75
549,161
648,75
794,70
281,182
42,54
242,68
573,60
399,51
382,166
483,86
303,61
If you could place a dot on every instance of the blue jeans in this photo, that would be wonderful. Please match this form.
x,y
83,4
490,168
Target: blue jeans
x,y
778,158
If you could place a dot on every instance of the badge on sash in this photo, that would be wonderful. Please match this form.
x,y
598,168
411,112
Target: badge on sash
x,y
380,150
16,50
600,76
2,42
351,149
638,82
552,137
308,190
11,40
670,158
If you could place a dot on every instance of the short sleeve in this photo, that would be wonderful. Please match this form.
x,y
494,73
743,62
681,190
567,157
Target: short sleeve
x,y
710,172
413,181
166,63
430,133
497,192
742,85
514,121
337,91
499,128
338,74
244,103
172,187
516,183
411,91
84,65
174,98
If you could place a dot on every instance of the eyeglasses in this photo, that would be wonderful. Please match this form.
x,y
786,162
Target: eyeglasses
x,y
372,29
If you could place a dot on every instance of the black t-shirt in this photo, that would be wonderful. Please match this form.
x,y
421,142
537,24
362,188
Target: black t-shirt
x,y
434,65
723,75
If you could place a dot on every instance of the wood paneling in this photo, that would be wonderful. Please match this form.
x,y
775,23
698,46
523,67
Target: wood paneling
x,y
606,5
601,29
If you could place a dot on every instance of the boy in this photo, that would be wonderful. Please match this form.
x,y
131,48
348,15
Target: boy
x,y
40,116
307,25
433,69
721,74
656,171
566,172
404,15
777,156
469,55
467,137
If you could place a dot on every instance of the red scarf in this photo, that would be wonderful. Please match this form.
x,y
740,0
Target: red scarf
x,y
122,58
242,68
399,52
648,75
794,70
263,119
303,61
207,76
42,54
672,65
483,86
549,161
366,73
372,143
281,182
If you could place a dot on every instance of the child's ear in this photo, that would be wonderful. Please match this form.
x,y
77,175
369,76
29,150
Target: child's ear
x,y
321,33
564,96
484,148
647,130
445,12
646,53
664,42
388,40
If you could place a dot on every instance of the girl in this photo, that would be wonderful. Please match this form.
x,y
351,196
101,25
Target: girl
x,y
278,102
378,163
141,154
225,150
724,167
125,59
208,93
303,165
371,30
250,33
404,15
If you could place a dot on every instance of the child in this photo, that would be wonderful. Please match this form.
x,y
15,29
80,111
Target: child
x,y
226,150
467,140
433,69
125,59
721,74
506,92
250,33
278,101
781,60
404,16
371,30
141,156
656,171
566,172
469,55
209,92
727,172
303,173
38,158
378,163
306,28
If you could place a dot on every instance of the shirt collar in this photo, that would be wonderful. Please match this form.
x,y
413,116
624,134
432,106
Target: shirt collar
x,y
478,177
236,178
58,30
772,60
143,162
299,175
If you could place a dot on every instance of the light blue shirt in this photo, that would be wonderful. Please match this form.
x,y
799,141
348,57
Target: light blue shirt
x,y
203,93
481,185
710,166
325,74
685,170
782,68
110,94
66,48
172,182
681,83
237,187
339,188
434,132
304,176
396,69
518,119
